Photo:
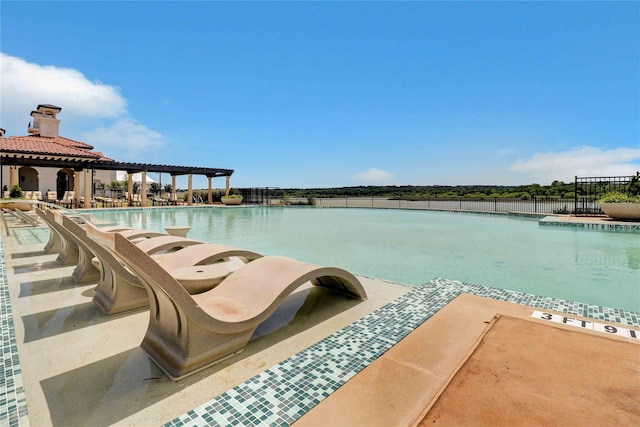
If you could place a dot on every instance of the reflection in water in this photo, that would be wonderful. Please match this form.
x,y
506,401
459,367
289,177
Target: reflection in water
x,y
628,258
413,247
633,258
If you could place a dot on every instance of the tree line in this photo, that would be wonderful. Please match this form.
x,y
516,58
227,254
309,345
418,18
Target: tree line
x,y
556,189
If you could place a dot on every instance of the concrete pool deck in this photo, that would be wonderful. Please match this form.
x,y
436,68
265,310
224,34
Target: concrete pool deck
x,y
537,374
78,368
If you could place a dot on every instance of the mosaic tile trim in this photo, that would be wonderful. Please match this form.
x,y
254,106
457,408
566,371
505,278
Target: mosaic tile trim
x,y
614,227
529,215
13,404
149,208
282,394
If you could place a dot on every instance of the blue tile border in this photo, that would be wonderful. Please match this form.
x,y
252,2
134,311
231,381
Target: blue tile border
x,y
609,226
13,404
282,394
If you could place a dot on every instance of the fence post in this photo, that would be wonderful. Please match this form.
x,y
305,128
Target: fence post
x,y
575,196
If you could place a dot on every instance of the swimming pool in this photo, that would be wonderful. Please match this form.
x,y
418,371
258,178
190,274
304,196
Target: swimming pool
x,y
413,247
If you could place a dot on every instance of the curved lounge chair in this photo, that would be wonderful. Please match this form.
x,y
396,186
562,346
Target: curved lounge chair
x,y
118,289
138,233
205,253
113,228
187,333
54,244
85,271
67,249
166,243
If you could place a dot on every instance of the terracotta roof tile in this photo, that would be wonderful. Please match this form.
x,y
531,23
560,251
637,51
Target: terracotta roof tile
x,y
49,146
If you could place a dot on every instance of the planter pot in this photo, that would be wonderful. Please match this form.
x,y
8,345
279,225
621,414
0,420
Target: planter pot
x,y
16,205
623,211
231,200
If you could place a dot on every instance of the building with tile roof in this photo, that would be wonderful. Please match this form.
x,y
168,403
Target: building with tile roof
x,y
45,161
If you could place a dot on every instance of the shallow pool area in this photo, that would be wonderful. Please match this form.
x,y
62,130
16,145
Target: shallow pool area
x,y
413,247
65,364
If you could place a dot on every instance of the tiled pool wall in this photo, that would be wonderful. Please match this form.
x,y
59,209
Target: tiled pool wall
x,y
282,394
610,226
13,404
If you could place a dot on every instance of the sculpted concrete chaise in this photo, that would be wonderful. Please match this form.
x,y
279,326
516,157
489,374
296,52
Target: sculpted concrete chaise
x,y
65,247
187,333
79,250
85,271
120,290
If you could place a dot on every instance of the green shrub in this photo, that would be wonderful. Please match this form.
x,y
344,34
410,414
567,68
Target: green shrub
x,y
16,192
616,197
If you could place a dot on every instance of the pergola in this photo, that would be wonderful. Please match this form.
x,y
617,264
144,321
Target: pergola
x,y
84,166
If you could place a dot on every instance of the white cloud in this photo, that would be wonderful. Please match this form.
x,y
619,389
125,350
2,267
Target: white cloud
x,y
375,176
84,103
580,161
125,134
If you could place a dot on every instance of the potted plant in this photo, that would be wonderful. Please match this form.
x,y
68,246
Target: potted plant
x,y
232,199
15,195
621,206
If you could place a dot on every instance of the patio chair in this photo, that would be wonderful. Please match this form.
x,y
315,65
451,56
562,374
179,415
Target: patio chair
x,y
52,196
37,195
174,200
27,194
92,203
68,199
136,200
187,333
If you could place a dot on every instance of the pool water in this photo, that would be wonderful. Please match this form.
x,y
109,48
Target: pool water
x,y
413,247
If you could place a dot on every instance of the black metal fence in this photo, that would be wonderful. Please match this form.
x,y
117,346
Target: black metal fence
x,y
255,196
535,205
588,190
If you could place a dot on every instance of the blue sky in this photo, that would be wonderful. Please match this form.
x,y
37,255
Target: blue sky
x,y
324,94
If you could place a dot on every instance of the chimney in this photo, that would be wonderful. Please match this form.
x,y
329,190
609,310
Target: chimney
x,y
45,122
2,132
